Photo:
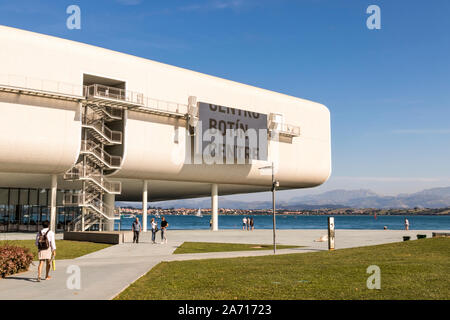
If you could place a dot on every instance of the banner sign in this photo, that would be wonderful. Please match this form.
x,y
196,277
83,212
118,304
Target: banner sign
x,y
233,133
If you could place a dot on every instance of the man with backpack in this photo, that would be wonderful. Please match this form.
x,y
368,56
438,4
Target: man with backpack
x,y
45,241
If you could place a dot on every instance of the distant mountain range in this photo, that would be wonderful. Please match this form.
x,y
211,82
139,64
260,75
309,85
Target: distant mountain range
x,y
363,198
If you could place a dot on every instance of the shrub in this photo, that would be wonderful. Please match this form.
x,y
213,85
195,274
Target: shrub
x,y
14,259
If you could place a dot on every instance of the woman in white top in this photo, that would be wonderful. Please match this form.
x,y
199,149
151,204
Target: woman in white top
x,y
154,226
45,254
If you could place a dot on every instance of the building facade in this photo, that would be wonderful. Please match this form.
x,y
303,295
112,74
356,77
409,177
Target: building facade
x,y
92,126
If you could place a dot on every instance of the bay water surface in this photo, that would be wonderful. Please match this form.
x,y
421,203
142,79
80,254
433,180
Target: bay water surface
x,y
424,222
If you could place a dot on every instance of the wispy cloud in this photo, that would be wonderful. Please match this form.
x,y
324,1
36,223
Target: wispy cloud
x,y
421,131
129,2
215,5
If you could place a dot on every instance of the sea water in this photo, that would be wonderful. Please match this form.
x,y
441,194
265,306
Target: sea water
x,y
423,222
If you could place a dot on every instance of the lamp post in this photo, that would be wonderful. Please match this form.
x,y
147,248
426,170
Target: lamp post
x,y
275,184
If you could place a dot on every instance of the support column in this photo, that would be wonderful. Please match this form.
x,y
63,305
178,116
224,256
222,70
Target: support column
x,y
110,200
83,213
144,205
215,207
53,203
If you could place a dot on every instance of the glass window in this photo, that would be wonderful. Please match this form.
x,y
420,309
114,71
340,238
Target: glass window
x,y
23,199
26,215
59,198
34,218
13,196
33,197
12,214
3,196
44,214
42,197
3,217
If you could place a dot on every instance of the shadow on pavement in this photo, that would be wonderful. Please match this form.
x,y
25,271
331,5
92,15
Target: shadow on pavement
x,y
21,278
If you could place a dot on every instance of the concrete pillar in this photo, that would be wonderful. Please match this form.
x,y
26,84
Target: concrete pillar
x,y
83,213
144,205
110,200
53,202
215,207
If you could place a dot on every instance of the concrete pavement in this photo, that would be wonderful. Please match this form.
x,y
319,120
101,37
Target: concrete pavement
x,y
107,272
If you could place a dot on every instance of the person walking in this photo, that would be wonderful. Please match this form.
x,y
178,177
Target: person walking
x,y
164,225
45,242
136,227
252,224
248,223
244,223
406,224
154,230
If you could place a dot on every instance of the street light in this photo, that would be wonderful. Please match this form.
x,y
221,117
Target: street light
x,y
275,184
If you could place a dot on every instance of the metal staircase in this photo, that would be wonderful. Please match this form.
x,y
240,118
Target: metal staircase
x,y
98,113
102,111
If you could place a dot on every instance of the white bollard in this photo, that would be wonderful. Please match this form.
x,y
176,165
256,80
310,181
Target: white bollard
x,y
330,233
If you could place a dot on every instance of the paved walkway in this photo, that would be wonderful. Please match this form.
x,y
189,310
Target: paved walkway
x,y
107,272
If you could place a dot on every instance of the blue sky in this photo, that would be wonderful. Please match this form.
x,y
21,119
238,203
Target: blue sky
x,y
388,90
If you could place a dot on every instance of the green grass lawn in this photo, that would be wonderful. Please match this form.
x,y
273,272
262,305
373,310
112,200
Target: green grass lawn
x,y
65,249
416,269
202,247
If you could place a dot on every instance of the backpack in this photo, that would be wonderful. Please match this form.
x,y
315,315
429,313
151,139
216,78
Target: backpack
x,y
43,243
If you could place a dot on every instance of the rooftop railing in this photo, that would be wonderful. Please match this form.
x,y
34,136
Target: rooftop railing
x,y
285,129
91,91
98,90
172,107
41,85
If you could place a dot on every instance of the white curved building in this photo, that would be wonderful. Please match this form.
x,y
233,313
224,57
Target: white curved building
x,y
83,126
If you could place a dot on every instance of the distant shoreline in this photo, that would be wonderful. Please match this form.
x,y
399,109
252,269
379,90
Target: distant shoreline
x,y
299,212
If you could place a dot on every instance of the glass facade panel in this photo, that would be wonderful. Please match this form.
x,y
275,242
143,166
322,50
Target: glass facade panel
x,y
23,196
33,197
13,196
34,219
45,214
3,196
42,197
59,198
3,218
24,210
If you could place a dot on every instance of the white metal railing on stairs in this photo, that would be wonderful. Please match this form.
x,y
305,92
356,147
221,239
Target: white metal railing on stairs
x,y
99,126
110,112
87,200
88,146
84,172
